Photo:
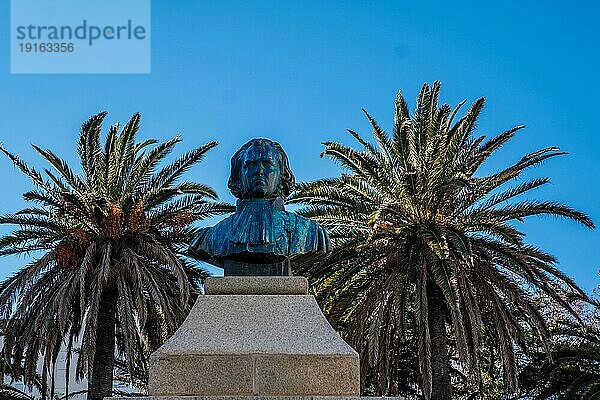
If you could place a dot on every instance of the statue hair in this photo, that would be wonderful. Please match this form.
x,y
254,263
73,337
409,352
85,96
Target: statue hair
x,y
287,179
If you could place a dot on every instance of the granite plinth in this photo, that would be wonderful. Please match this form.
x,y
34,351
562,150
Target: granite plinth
x,y
255,345
256,285
255,398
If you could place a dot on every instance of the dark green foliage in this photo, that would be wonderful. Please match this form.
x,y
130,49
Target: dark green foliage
x,y
8,392
109,245
414,226
572,372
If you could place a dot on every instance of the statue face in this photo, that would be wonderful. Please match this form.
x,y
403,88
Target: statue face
x,y
260,171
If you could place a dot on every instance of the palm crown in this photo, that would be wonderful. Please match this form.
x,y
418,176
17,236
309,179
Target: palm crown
x,y
421,240
110,244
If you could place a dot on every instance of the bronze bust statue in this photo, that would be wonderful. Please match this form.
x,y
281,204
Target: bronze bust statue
x,y
260,237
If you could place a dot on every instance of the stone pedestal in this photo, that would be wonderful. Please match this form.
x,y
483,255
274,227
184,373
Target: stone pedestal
x,y
255,336
254,398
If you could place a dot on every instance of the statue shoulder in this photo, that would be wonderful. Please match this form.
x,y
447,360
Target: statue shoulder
x,y
300,220
198,246
211,241
308,235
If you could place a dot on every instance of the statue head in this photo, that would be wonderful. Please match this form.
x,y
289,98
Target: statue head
x,y
260,169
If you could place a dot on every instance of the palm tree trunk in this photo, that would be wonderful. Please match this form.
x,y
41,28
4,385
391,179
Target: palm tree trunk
x,y
440,360
52,381
68,367
44,383
100,385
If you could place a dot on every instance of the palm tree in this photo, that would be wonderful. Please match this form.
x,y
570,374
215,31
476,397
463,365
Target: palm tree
x,y
573,371
10,392
422,241
109,242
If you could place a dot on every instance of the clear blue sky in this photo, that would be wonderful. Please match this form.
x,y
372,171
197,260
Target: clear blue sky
x,y
300,71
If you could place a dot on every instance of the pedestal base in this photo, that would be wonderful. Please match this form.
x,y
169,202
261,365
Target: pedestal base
x,y
254,398
255,345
